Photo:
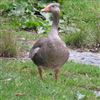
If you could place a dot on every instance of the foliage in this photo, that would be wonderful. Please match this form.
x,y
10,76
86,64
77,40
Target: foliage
x,y
27,16
8,46
82,17
75,39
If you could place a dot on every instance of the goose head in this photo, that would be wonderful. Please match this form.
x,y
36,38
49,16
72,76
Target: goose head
x,y
52,8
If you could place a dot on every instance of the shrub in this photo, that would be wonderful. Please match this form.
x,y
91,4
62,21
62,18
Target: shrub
x,y
26,15
74,40
7,44
81,15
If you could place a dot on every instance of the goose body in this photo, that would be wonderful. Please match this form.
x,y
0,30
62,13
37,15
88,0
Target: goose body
x,y
50,52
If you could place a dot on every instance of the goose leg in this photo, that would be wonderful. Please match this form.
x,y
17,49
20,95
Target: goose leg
x,y
40,72
56,72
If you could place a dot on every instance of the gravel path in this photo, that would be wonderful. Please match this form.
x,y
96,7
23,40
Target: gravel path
x,y
85,57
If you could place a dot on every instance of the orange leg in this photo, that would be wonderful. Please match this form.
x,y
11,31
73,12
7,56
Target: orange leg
x,y
56,71
40,72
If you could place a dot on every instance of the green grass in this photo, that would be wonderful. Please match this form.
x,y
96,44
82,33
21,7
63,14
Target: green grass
x,y
82,17
19,37
8,25
19,80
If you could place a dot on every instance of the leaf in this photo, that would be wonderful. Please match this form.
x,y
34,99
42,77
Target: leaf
x,y
40,30
20,94
80,96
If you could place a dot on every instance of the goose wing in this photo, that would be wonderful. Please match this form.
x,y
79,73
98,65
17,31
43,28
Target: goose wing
x,y
37,46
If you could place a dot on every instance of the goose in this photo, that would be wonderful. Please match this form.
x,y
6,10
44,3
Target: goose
x,y
50,52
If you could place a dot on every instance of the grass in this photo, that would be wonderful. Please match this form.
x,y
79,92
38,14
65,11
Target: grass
x,y
8,44
19,37
82,18
20,81
9,25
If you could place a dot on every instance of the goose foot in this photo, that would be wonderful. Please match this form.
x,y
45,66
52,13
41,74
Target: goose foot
x,y
40,72
56,72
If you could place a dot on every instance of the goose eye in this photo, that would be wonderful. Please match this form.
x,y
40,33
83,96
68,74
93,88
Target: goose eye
x,y
53,6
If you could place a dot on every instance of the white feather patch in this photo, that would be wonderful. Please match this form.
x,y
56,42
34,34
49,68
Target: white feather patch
x,y
36,50
33,52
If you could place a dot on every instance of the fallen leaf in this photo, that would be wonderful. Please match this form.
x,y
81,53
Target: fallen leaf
x,y
20,94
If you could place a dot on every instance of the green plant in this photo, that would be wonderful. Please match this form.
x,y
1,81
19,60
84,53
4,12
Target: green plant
x,y
81,15
75,39
27,16
8,47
